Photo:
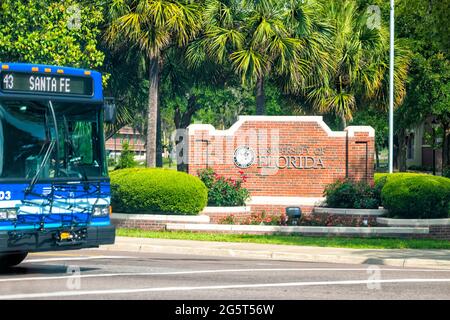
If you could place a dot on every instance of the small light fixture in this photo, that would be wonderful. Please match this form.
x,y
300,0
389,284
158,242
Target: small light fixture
x,y
294,214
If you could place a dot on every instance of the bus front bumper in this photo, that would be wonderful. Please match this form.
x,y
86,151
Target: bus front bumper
x,y
54,239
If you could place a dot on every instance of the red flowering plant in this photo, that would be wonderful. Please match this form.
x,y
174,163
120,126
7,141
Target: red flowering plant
x,y
230,219
336,221
263,218
224,192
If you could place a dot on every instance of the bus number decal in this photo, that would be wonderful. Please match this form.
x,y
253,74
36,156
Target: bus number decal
x,y
8,81
5,195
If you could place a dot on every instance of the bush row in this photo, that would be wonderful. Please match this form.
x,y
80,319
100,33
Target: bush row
x,y
404,195
145,190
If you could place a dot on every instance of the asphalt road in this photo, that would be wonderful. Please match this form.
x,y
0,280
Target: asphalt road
x,y
97,274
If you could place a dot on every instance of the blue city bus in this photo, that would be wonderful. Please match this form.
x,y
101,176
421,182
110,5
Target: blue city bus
x,y
54,185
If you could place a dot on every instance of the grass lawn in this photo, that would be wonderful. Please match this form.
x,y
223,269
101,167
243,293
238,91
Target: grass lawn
x,y
339,242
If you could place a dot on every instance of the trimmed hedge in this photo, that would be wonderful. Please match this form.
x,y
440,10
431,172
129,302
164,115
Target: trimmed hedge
x,y
415,196
148,190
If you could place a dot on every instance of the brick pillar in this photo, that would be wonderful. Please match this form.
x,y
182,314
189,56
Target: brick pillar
x,y
360,153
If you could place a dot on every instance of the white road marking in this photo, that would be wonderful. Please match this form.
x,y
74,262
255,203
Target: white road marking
x,y
59,294
130,274
75,258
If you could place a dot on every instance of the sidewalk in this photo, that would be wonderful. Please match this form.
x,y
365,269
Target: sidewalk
x,y
392,257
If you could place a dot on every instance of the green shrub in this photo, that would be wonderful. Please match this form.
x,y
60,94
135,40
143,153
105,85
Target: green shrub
x,y
111,162
446,172
416,196
146,190
379,183
380,177
349,194
224,192
126,159
340,194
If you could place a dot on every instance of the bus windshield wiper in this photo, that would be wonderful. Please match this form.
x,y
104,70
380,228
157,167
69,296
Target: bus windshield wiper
x,y
54,143
49,151
76,157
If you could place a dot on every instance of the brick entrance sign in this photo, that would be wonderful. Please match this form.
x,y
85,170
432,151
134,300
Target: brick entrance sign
x,y
288,159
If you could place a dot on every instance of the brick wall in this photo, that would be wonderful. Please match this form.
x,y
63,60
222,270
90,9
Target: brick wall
x,y
440,232
307,153
278,209
294,156
139,224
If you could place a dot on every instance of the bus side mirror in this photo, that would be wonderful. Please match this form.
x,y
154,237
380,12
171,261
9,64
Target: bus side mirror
x,y
109,110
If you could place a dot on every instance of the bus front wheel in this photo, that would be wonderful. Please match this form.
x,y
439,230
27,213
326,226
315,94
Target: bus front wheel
x,y
8,260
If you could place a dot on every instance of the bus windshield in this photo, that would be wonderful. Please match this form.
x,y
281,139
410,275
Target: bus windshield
x,y
27,131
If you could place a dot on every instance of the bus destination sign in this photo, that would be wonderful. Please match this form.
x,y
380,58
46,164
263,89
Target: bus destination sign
x,y
46,84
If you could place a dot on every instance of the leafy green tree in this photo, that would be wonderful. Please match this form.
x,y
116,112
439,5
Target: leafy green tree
x,y
423,24
360,65
126,159
428,99
51,32
129,87
152,26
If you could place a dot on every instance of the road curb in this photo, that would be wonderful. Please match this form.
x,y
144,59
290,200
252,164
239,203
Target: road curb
x,y
302,254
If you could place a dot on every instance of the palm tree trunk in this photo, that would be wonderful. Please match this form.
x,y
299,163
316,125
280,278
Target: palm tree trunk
x,y
182,121
260,98
344,122
152,112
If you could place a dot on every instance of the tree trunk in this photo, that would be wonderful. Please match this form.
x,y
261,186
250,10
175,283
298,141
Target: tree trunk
x,y
377,156
401,151
152,113
159,144
260,98
445,146
344,122
447,150
182,121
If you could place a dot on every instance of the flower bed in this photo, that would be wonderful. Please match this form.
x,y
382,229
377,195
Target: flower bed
x,y
256,219
314,219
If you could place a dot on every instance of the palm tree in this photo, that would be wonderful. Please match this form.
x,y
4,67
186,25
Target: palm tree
x,y
152,26
360,63
260,39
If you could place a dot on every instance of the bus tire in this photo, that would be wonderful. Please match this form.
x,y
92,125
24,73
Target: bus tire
x,y
8,260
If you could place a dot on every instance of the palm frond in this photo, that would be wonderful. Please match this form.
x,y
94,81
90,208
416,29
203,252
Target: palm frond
x,y
249,64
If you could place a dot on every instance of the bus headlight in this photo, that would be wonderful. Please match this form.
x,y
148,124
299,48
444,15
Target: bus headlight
x,y
8,214
100,211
